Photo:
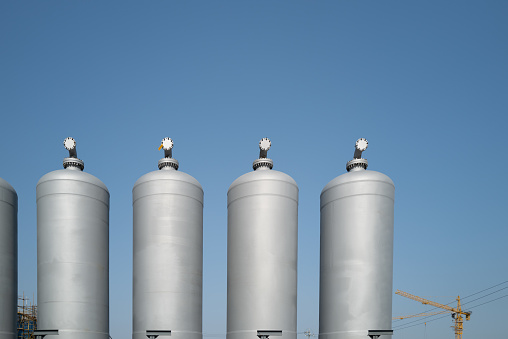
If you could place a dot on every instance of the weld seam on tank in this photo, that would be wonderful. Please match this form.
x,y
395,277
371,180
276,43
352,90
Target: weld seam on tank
x,y
94,191
265,194
181,195
5,194
71,180
273,180
169,180
356,195
357,181
78,195
88,184
8,203
267,190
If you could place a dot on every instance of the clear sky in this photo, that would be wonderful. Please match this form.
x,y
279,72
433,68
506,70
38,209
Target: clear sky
x,y
426,82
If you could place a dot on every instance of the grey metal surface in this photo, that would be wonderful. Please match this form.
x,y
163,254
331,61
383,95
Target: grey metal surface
x,y
262,254
73,254
8,260
168,254
356,272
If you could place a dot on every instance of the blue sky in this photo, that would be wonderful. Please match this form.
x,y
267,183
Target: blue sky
x,y
425,82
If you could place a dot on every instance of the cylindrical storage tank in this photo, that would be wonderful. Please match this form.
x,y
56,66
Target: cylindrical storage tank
x,y
168,252
262,252
8,260
73,252
355,293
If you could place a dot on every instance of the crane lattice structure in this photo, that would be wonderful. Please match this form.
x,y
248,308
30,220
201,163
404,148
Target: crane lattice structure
x,y
419,315
27,318
457,312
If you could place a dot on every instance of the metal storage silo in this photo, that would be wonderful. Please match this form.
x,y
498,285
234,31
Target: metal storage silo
x,y
73,251
262,252
355,293
168,252
8,260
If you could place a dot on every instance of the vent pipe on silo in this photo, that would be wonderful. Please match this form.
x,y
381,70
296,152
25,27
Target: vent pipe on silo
x,y
263,162
358,163
72,162
167,162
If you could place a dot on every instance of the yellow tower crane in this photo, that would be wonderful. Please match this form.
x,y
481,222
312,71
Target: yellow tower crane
x,y
427,314
456,312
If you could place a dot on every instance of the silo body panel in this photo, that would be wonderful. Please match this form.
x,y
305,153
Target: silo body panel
x,y
8,260
262,254
73,255
168,254
356,255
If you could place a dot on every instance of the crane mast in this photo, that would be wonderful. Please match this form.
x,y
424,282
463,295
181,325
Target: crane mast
x,y
457,312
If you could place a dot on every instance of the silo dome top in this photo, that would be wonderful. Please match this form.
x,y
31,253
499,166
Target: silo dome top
x,y
176,182
76,176
7,193
257,181
5,185
359,176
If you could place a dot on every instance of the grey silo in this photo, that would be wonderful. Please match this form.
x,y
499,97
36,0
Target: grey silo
x,y
168,251
262,251
356,273
73,251
8,260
